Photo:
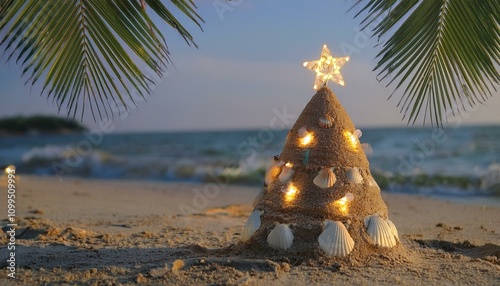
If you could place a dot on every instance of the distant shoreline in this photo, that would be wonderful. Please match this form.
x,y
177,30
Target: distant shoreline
x,y
37,125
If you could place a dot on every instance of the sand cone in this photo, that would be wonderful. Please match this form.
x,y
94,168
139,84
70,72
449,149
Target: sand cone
x,y
319,197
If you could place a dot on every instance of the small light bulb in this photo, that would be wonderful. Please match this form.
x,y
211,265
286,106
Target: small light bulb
x,y
291,193
343,203
10,169
306,139
352,140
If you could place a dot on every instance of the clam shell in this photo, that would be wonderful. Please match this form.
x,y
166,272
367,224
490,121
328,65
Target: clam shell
x,y
380,231
280,237
325,121
373,183
286,174
272,172
354,175
335,240
393,229
259,196
302,132
252,225
325,178
358,133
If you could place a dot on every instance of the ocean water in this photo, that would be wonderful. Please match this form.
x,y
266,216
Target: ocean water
x,y
454,162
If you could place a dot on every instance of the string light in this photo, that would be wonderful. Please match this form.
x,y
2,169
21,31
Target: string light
x,y
10,169
291,193
352,140
342,204
306,139
327,68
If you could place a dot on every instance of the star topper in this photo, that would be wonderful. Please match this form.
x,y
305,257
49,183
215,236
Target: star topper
x,y
327,68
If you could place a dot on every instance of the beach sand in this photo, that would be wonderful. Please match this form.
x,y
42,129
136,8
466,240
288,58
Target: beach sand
x,y
96,232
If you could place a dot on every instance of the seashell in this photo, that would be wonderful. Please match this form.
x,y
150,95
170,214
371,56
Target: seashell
x,y
380,231
286,173
358,133
372,182
325,178
325,121
393,229
280,237
302,132
335,240
354,175
252,225
272,172
259,197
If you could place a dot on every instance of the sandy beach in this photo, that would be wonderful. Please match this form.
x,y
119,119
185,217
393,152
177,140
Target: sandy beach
x,y
104,232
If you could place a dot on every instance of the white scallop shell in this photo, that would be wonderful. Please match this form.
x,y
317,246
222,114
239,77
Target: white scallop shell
x,y
335,240
280,237
358,133
380,231
373,183
354,175
325,121
259,197
325,178
273,171
286,174
393,229
302,132
252,225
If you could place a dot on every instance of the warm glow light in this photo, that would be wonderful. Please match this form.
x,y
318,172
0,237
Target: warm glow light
x,y
343,203
291,193
352,140
288,164
327,68
306,139
10,169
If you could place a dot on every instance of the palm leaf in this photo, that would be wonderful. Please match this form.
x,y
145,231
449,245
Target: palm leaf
x,y
87,49
443,54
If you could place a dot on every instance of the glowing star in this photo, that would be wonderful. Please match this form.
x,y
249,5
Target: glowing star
x,y
291,193
327,68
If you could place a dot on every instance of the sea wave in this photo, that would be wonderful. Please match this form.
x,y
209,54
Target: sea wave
x,y
403,159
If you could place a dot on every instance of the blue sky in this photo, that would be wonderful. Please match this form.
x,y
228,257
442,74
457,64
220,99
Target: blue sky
x,y
249,63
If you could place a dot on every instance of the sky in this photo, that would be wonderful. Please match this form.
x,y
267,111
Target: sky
x,y
248,68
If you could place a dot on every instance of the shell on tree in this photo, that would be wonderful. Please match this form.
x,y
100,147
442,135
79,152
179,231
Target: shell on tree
x,y
259,196
325,121
335,240
273,171
393,229
354,175
252,225
286,173
358,133
325,178
281,237
380,231
302,132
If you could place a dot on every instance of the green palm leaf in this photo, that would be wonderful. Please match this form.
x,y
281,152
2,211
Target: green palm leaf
x,y
444,53
82,47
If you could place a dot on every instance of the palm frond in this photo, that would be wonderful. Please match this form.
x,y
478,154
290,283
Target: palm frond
x,y
443,53
82,47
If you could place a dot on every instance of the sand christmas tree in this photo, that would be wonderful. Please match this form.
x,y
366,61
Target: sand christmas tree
x,y
319,196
